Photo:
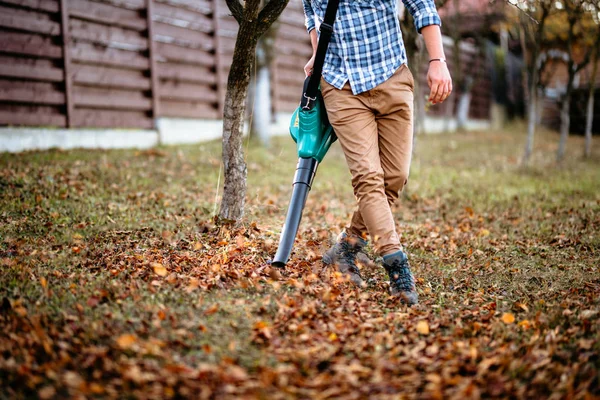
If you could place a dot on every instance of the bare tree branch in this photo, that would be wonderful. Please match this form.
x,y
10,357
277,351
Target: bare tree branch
x,y
269,14
516,5
237,10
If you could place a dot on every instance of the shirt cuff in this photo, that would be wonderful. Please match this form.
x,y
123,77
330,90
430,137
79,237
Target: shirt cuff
x,y
427,17
310,24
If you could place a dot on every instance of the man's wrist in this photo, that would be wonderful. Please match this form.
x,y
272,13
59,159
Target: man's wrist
x,y
440,59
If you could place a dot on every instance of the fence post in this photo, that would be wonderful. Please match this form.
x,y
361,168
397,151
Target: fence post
x,y
66,53
218,65
152,62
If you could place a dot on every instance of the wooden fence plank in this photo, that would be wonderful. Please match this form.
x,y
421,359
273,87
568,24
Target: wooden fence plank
x,y
188,91
92,75
221,79
187,36
29,115
32,22
186,73
188,109
106,14
200,20
138,5
31,92
85,117
100,55
202,6
176,54
29,44
30,68
110,99
66,42
41,5
107,35
152,54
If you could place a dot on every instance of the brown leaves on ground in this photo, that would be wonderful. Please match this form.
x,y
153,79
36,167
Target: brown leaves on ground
x,y
178,306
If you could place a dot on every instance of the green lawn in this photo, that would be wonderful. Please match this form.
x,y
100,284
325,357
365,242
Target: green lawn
x,y
117,282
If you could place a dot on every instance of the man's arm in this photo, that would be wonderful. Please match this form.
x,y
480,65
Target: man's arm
x,y
428,22
309,21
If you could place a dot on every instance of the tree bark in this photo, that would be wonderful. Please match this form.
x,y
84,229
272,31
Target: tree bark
x,y
532,73
589,122
253,24
234,190
262,113
531,112
565,121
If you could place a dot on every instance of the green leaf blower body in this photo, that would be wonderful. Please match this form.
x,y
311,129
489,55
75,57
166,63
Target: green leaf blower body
x,y
313,134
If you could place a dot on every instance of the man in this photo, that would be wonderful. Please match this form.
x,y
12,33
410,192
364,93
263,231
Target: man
x,y
368,93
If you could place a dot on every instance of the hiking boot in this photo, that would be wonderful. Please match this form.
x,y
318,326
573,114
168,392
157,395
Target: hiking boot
x,y
343,254
402,281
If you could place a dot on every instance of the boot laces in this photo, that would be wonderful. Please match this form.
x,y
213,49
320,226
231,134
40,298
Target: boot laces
x,y
401,277
348,254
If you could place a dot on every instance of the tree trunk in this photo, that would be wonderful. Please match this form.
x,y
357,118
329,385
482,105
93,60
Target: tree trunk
x,y
462,112
263,111
589,122
531,113
261,120
234,191
565,121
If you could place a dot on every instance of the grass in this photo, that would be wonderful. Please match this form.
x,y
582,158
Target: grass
x,y
116,282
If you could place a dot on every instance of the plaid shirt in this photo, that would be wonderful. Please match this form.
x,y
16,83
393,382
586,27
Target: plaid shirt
x,y
366,47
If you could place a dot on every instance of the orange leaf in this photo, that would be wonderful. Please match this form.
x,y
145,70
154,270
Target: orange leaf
x,y
508,318
212,309
159,269
126,341
423,327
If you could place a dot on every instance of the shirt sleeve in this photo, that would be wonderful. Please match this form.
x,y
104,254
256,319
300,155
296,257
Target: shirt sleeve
x,y
309,15
423,12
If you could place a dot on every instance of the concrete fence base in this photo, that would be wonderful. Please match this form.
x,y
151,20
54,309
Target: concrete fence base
x,y
169,131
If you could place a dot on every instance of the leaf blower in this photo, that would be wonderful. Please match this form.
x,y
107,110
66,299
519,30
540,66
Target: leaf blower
x,y
313,135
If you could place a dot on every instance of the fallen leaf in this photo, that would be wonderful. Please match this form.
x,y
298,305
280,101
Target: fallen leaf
x,y
508,318
212,309
47,392
126,341
159,269
423,327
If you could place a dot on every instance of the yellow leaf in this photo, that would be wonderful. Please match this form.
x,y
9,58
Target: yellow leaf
x,y
508,318
126,341
423,327
525,324
159,269
43,282
333,336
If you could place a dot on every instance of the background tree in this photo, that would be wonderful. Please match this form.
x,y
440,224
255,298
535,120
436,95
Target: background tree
x,y
532,17
260,104
577,42
595,9
253,22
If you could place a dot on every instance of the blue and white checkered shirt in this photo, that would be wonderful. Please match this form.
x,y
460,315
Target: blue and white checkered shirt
x,y
366,47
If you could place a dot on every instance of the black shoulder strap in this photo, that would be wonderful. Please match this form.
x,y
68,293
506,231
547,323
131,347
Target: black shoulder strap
x,y
310,92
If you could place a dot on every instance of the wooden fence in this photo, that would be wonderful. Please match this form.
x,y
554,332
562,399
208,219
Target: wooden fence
x,y
123,63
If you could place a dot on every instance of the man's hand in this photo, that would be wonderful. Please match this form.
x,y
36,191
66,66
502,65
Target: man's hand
x,y
439,81
308,68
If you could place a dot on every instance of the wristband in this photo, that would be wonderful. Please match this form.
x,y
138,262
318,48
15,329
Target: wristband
x,y
438,59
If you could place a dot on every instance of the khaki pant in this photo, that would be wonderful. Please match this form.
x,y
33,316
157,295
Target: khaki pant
x,y
375,131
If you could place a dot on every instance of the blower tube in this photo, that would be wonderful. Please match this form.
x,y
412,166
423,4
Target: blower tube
x,y
305,173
